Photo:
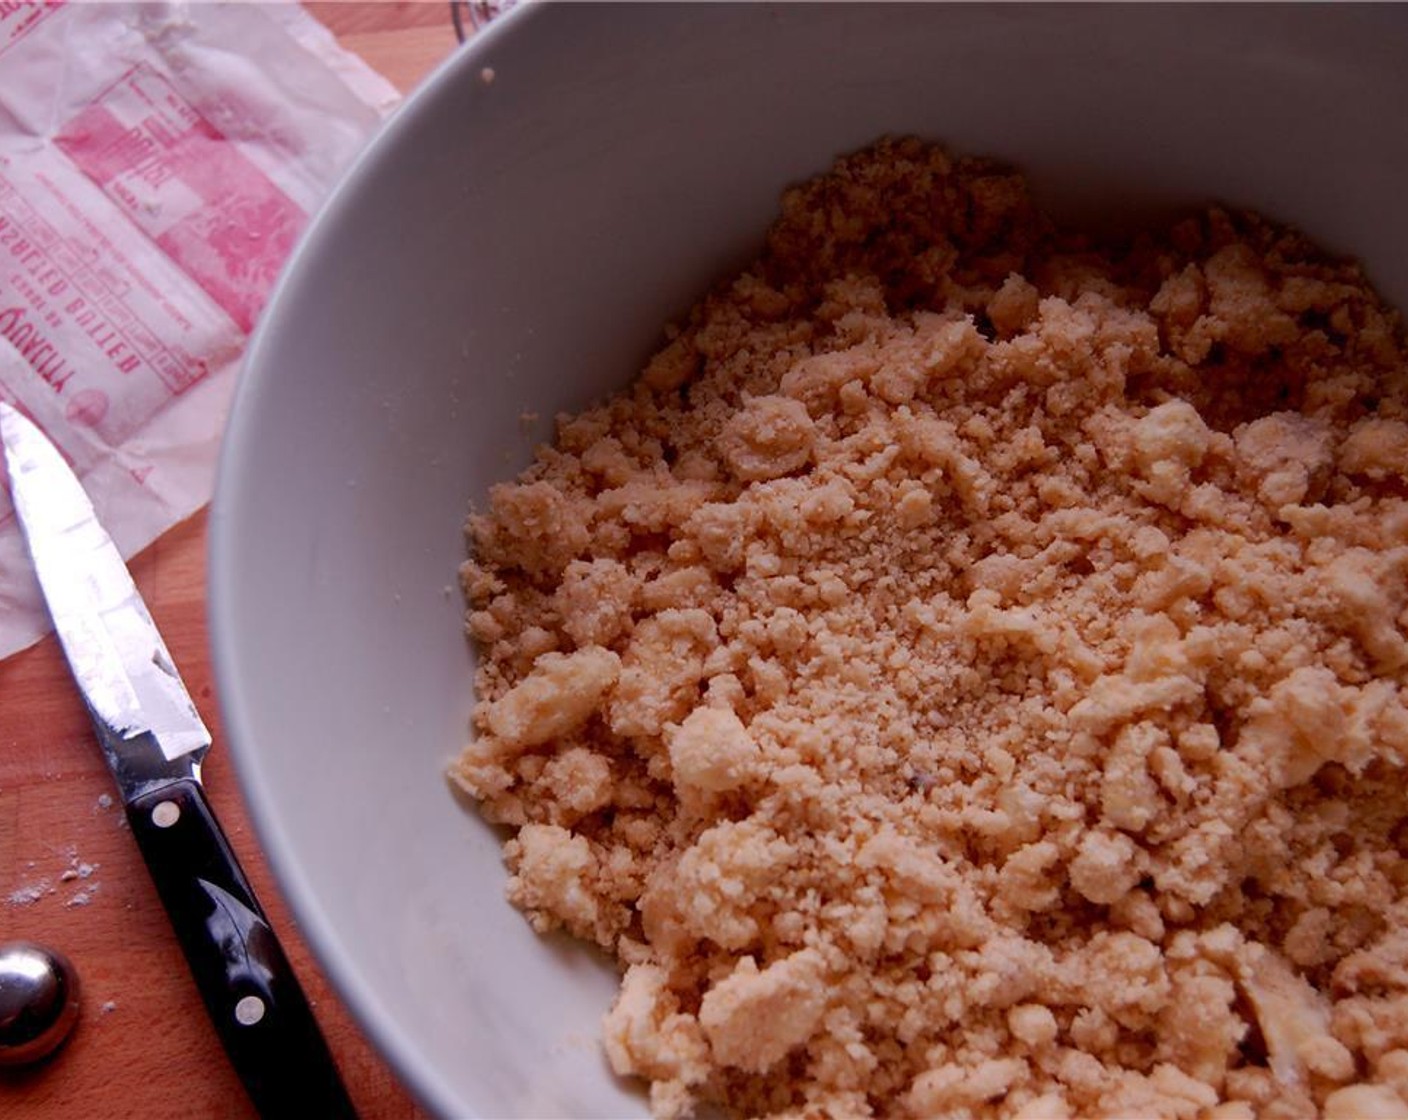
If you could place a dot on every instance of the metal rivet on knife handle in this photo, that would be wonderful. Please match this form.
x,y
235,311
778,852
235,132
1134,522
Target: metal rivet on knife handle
x,y
166,814
249,1011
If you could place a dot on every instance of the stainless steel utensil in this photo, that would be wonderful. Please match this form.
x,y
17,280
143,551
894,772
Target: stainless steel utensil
x,y
38,1002
154,741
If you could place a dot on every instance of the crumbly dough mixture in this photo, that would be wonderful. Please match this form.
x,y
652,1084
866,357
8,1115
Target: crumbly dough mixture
x,y
964,673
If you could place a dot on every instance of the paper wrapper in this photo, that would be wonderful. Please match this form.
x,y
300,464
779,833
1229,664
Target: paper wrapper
x,y
157,164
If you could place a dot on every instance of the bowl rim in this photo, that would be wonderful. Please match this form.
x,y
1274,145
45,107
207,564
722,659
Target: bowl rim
x,y
430,1090
425,1083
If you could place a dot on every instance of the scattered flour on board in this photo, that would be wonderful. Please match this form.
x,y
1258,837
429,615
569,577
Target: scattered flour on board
x,y
29,893
76,870
83,896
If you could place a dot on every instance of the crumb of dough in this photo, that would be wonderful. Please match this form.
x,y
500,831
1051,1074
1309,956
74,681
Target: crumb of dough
x,y
964,675
753,1018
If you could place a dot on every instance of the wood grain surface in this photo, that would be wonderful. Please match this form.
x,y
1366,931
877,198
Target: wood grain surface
x,y
70,876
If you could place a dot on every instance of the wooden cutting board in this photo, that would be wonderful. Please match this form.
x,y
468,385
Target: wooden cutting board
x,y
70,876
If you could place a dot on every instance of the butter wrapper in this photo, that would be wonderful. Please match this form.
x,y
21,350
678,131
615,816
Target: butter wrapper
x,y
157,164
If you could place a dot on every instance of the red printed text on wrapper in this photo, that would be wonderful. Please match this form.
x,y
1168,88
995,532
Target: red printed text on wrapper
x,y
77,309
178,179
18,19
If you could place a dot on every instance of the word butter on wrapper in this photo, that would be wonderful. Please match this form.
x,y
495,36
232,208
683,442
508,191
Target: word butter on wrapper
x,y
157,164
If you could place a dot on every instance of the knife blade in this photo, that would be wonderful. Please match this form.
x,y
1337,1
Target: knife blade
x,y
154,742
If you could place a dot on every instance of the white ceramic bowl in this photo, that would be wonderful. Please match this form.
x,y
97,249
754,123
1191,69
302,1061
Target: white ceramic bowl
x,y
516,244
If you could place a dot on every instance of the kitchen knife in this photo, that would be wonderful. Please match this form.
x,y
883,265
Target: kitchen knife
x,y
154,741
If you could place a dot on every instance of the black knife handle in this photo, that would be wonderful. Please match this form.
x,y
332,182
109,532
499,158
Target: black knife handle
x,y
251,993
